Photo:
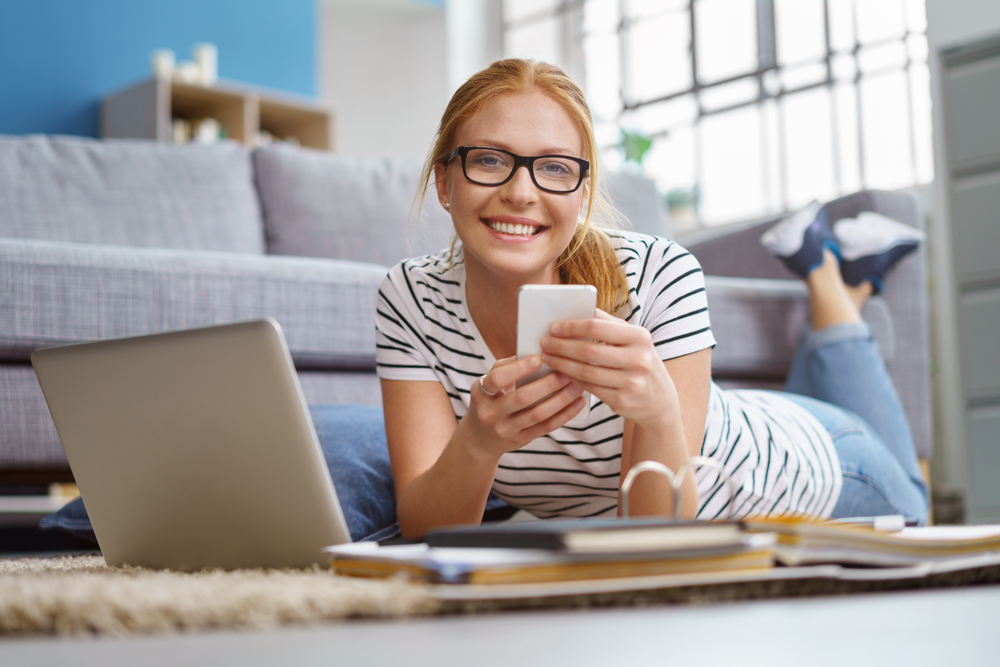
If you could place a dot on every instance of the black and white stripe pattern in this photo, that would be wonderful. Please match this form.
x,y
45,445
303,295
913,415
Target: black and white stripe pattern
x,y
779,456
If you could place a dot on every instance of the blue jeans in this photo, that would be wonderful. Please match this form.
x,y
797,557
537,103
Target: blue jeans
x,y
839,376
353,441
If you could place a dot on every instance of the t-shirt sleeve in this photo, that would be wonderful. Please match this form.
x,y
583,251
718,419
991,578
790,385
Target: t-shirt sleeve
x,y
676,309
401,352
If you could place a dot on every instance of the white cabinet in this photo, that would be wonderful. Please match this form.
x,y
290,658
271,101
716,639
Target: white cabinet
x,y
970,83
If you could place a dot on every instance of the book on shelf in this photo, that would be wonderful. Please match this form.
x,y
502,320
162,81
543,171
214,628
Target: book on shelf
x,y
473,565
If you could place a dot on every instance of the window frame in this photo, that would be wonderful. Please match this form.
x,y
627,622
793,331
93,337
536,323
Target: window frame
x,y
569,15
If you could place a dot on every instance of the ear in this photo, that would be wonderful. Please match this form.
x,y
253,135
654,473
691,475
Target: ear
x,y
441,184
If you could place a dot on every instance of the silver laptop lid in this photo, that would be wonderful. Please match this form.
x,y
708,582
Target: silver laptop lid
x,y
194,449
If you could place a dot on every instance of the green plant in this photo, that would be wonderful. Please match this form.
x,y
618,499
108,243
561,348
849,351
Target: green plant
x,y
634,145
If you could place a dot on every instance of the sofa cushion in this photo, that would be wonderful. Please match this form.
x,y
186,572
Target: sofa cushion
x,y
28,437
637,198
57,293
318,204
129,192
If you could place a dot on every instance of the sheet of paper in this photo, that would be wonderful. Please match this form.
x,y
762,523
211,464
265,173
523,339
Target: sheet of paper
x,y
410,553
950,532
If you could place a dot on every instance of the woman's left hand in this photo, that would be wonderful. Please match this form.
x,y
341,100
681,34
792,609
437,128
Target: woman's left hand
x,y
617,362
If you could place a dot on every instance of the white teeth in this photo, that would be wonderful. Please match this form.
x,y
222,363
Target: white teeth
x,y
514,230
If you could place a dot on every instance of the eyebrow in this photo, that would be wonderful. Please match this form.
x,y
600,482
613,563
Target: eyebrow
x,y
499,144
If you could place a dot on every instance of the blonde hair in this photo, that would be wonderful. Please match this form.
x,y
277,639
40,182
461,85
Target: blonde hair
x,y
590,257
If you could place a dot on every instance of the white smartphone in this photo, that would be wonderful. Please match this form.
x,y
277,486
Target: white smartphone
x,y
541,306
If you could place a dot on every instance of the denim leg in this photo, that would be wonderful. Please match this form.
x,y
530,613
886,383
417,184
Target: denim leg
x,y
353,441
798,381
875,482
844,367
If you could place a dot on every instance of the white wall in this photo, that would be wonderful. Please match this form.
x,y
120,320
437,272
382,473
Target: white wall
x,y
475,38
383,65
949,23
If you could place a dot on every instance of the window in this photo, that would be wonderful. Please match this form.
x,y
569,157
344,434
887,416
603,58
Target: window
x,y
753,106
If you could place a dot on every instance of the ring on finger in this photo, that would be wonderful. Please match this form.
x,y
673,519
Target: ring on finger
x,y
483,387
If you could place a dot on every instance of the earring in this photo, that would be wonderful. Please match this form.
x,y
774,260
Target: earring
x,y
447,205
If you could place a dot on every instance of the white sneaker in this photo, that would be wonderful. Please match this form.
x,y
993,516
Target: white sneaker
x,y
800,238
871,244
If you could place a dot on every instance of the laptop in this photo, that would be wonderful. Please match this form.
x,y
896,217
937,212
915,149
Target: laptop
x,y
194,449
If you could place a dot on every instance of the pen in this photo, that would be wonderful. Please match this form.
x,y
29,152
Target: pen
x,y
889,523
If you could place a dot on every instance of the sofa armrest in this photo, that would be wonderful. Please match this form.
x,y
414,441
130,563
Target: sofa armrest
x,y
58,293
735,252
757,323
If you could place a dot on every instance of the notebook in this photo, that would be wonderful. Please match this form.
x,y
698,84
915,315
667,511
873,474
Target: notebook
x,y
593,536
194,449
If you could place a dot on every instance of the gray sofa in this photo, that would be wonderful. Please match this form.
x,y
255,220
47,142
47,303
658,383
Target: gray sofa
x,y
102,239
759,308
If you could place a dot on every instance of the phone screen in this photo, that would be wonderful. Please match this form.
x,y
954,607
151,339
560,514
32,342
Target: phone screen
x,y
538,308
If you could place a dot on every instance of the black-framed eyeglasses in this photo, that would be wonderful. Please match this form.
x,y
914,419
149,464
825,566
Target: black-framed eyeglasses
x,y
559,174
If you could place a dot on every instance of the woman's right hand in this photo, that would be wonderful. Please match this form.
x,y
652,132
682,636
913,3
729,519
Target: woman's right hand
x,y
504,417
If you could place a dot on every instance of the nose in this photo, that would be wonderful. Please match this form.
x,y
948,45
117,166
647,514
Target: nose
x,y
520,190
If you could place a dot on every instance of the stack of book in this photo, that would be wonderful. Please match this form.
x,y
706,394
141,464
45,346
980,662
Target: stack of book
x,y
543,552
562,550
811,543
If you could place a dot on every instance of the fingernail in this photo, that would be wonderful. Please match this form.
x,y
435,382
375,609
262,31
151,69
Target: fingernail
x,y
544,343
555,329
575,388
536,361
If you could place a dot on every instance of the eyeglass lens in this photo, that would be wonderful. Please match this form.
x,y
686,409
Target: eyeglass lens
x,y
492,167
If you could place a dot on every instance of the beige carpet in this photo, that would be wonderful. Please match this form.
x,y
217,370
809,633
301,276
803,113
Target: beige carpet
x,y
83,595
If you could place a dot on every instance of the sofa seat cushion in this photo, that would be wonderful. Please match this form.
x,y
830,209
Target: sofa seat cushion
x,y
319,204
129,192
28,437
57,293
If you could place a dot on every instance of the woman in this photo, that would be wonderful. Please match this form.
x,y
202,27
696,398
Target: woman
x,y
457,425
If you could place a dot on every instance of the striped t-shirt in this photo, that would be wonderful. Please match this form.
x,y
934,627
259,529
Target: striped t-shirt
x,y
779,456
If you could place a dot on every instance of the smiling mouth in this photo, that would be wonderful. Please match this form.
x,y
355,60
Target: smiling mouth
x,y
512,229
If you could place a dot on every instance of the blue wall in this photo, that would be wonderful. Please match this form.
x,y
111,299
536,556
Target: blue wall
x,y
59,58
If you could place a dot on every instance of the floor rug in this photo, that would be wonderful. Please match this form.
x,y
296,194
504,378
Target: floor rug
x,y
83,595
